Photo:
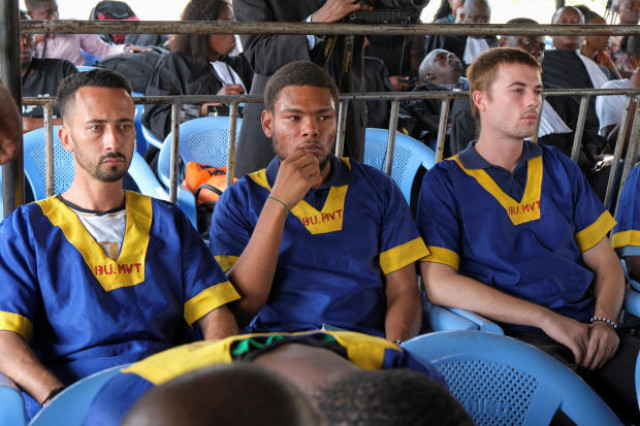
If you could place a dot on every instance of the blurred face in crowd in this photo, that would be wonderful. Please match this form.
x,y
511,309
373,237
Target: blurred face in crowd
x,y
26,46
567,16
532,44
442,67
475,12
223,44
45,11
597,43
628,11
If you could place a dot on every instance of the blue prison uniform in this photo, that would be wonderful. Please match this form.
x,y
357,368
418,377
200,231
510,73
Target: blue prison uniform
x,y
337,245
81,311
470,218
626,234
119,394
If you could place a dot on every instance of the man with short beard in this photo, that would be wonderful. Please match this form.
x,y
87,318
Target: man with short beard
x,y
313,240
97,276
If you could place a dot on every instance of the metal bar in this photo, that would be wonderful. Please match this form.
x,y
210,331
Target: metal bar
x,y
442,128
304,28
391,140
617,152
13,171
175,151
630,158
582,118
231,149
382,96
342,125
48,150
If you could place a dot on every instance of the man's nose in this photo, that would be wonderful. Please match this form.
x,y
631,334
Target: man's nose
x,y
310,126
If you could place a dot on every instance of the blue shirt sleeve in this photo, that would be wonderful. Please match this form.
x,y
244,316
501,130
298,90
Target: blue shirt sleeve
x,y
19,301
626,234
438,219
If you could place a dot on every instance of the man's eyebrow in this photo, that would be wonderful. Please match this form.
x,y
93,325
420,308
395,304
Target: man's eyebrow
x,y
299,111
102,121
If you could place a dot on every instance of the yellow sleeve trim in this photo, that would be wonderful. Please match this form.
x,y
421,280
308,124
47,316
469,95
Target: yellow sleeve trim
x,y
402,255
592,234
226,262
16,323
444,256
625,238
208,300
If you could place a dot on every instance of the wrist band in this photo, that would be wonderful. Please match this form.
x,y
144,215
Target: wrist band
x,y
281,202
52,394
605,320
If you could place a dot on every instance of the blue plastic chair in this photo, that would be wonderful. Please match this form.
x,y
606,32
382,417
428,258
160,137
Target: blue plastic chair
x,y
141,140
70,407
502,381
204,140
149,137
89,59
85,68
409,154
64,169
12,410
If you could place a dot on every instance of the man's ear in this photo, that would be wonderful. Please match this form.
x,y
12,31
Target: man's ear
x,y
479,100
267,122
65,138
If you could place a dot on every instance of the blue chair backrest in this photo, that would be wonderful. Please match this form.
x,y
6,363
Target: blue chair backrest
x,y
64,169
71,406
409,154
34,163
500,380
204,140
141,140
89,59
12,410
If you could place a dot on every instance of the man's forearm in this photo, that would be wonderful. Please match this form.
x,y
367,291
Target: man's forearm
x,y
609,279
218,324
19,363
404,310
253,273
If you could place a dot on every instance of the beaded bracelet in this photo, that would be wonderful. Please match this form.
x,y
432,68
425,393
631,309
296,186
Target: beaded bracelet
x,y
605,320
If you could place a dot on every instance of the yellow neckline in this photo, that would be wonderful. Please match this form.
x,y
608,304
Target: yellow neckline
x,y
526,210
129,268
329,219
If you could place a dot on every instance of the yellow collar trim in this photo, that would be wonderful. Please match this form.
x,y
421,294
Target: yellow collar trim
x,y
129,269
329,219
524,211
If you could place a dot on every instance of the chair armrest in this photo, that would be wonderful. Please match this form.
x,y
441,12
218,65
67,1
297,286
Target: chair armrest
x,y
483,323
632,302
12,410
442,319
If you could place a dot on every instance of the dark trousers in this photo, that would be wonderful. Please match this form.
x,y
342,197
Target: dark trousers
x,y
614,382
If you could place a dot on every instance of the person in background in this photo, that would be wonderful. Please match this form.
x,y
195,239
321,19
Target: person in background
x,y
197,65
465,47
69,46
628,12
596,47
10,133
40,78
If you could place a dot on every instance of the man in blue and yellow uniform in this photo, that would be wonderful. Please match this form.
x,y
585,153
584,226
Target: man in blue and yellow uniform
x,y
626,234
96,276
314,240
516,233
320,365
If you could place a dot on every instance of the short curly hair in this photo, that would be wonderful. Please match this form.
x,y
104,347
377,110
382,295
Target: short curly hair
x,y
298,73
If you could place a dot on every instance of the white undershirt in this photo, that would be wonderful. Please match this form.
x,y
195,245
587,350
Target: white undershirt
x,y
106,229
226,74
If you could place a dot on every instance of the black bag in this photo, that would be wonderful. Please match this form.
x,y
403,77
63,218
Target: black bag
x,y
137,67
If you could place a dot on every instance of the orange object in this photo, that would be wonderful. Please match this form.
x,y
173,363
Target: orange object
x,y
207,183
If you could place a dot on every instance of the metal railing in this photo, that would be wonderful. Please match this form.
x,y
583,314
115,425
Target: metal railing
x,y
13,181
